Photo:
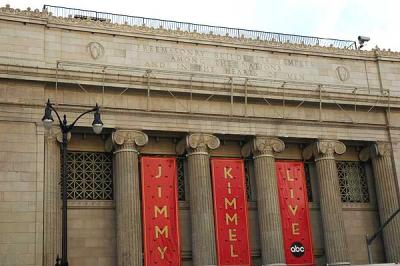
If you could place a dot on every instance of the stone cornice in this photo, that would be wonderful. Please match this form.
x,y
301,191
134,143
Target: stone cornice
x,y
15,14
306,90
7,10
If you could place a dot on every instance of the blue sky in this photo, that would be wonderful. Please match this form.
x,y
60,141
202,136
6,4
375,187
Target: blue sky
x,y
341,19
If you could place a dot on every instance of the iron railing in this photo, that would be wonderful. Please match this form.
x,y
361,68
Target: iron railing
x,y
59,11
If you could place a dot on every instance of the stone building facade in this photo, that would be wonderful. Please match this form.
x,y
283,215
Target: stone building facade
x,y
335,109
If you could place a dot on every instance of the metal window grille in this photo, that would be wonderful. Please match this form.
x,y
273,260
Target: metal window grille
x,y
89,176
308,181
353,182
180,173
248,167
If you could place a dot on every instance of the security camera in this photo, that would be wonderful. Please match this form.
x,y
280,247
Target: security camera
x,y
362,40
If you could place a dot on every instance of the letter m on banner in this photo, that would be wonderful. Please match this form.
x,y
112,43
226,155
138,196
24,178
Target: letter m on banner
x,y
160,212
295,218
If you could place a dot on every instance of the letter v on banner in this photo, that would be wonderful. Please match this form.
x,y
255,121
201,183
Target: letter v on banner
x,y
230,209
295,218
160,212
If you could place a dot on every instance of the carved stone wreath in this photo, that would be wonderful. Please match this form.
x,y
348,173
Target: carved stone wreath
x,y
343,73
95,49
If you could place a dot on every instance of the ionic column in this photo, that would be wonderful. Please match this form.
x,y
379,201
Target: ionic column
x,y
386,194
269,217
330,200
52,197
197,146
127,196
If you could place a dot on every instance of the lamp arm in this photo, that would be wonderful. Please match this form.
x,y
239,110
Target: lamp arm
x,y
84,113
370,239
55,111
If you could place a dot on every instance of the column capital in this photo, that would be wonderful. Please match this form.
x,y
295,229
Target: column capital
x,y
378,149
197,142
122,139
324,149
55,133
262,146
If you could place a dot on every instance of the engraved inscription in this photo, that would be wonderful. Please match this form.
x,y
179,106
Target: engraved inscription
x,y
233,63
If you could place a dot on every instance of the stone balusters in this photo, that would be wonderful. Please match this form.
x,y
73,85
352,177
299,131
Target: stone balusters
x,y
127,195
386,193
197,146
330,200
269,218
52,197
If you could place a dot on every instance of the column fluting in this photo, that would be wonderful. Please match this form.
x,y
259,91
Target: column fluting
x,y
269,217
386,194
127,196
52,198
197,146
335,243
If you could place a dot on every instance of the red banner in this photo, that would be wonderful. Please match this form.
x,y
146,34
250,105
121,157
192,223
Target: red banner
x,y
295,214
160,212
230,210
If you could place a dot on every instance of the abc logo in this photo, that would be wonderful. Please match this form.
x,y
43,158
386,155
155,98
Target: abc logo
x,y
297,249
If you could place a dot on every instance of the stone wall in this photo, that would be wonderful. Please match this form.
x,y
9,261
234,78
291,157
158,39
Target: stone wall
x,y
91,235
21,193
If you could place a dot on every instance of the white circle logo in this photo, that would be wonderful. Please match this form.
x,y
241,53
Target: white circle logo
x,y
297,249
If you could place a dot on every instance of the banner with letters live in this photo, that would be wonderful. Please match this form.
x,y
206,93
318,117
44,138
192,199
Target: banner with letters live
x,y
294,213
230,211
160,211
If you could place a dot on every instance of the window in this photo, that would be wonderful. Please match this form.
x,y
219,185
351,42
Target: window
x,y
307,172
89,176
353,182
180,173
249,175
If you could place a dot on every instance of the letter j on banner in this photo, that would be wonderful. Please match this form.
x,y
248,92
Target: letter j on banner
x,y
160,212
230,209
294,213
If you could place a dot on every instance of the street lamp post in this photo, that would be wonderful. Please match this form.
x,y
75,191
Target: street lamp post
x,y
65,129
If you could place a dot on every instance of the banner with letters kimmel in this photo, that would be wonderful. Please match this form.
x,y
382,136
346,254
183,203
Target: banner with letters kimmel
x,y
230,211
294,213
160,212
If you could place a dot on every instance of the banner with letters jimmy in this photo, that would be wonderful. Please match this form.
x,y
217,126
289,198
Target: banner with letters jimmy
x,y
160,212
294,213
230,211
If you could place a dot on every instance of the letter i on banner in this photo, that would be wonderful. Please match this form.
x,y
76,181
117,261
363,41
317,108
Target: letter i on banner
x,y
160,212
293,203
230,211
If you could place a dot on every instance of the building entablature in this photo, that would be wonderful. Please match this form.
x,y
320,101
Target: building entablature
x,y
69,50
